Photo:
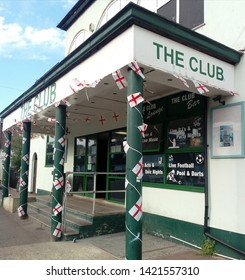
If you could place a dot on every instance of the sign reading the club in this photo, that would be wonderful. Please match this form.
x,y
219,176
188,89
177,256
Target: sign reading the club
x,y
38,102
176,59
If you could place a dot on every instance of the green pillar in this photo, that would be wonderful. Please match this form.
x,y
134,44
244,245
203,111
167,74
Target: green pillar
x,y
58,175
134,168
25,154
6,165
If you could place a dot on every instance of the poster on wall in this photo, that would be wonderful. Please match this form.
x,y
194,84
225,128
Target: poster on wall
x,y
186,133
186,169
227,132
153,168
153,137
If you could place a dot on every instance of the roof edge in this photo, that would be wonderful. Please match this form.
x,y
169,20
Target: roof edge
x,y
128,16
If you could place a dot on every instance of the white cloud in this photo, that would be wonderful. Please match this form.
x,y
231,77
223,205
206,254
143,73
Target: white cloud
x,y
69,3
40,43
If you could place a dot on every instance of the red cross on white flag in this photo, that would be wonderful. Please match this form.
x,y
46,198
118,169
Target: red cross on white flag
x,y
26,158
24,140
22,182
62,141
135,99
76,85
21,211
142,128
119,79
57,231
200,87
7,144
58,182
125,146
136,210
57,209
138,169
134,66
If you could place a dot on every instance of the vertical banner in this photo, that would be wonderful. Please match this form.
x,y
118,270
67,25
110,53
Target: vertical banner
x,y
6,165
58,177
134,167
22,210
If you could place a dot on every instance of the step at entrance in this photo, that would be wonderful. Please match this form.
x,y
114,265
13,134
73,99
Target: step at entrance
x,y
78,220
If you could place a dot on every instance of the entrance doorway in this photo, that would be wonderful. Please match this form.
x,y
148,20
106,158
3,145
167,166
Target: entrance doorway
x,y
102,162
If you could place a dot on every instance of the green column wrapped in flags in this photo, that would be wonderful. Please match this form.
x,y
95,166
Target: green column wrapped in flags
x,y
134,165
22,210
58,176
6,165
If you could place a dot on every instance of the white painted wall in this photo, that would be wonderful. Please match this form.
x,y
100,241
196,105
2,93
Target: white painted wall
x,y
224,22
180,205
44,174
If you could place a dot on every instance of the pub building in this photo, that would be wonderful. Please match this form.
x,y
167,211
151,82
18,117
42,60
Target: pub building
x,y
146,108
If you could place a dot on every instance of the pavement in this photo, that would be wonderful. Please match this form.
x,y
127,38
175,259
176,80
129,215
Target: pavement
x,y
29,240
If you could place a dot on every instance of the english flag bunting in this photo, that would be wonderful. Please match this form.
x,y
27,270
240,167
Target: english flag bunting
x,y
57,209
57,231
138,169
134,66
136,210
119,79
135,99
200,87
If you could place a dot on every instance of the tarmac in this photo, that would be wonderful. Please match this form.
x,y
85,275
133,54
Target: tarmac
x,y
29,240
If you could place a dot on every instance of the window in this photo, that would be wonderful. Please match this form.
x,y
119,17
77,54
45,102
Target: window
x,y
117,5
174,143
111,10
81,36
189,13
50,151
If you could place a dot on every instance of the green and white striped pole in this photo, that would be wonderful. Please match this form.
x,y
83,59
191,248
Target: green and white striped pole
x,y
134,167
24,173
58,176
6,165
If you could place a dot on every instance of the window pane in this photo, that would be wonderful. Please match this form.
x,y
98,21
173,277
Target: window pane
x,y
191,13
168,10
80,148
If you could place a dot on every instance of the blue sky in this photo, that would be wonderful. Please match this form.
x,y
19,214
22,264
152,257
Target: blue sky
x,y
30,43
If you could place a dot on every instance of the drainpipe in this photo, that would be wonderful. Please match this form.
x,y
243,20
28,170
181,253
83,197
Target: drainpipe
x,y
25,154
58,175
6,166
134,182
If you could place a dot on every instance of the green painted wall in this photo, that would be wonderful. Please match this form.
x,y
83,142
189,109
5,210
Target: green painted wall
x,y
193,233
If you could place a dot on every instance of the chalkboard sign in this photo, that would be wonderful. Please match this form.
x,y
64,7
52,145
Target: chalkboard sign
x,y
153,168
186,169
186,133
